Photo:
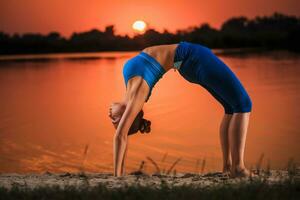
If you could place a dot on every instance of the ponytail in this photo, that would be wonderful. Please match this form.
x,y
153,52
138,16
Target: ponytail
x,y
145,126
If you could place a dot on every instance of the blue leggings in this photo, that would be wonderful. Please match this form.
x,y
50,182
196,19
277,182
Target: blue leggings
x,y
199,65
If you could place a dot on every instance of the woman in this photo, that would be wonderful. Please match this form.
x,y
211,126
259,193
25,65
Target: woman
x,y
197,64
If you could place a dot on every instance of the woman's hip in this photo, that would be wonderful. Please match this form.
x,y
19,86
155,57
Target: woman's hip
x,y
203,67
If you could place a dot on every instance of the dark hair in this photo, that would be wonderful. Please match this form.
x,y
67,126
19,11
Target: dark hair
x,y
140,124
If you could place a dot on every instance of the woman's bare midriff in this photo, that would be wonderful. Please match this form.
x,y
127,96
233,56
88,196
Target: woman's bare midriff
x,y
164,54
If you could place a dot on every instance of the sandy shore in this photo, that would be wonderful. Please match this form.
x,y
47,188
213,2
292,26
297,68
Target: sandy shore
x,y
153,180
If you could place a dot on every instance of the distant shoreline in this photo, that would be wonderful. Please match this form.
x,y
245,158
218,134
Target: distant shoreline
x,y
276,31
77,56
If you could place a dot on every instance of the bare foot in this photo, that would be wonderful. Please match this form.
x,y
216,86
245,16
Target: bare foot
x,y
240,173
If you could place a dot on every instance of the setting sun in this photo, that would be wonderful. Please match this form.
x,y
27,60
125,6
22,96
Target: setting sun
x,y
139,25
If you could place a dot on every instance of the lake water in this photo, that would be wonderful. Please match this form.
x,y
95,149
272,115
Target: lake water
x,y
54,114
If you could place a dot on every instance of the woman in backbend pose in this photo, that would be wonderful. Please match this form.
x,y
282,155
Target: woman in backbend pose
x,y
197,64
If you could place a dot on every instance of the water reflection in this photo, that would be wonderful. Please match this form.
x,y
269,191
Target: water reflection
x,y
51,110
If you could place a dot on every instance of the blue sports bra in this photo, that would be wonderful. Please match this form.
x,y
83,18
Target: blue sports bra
x,y
149,68
145,66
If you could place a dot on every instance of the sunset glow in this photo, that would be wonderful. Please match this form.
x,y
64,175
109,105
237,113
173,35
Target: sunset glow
x,y
74,76
66,17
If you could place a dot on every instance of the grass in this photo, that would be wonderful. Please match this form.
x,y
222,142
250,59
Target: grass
x,y
247,189
259,189
291,166
158,169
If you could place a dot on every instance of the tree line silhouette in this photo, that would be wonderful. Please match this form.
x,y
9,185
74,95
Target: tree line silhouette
x,y
277,31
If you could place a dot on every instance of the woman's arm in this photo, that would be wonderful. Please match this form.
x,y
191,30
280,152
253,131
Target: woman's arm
x,y
133,107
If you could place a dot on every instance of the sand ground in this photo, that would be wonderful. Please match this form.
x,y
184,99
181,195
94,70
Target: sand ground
x,y
151,180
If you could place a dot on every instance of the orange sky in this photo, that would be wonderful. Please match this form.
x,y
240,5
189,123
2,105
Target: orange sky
x,y
67,16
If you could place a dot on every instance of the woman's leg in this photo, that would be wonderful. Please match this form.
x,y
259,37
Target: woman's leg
x,y
224,126
238,127
217,77
224,140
